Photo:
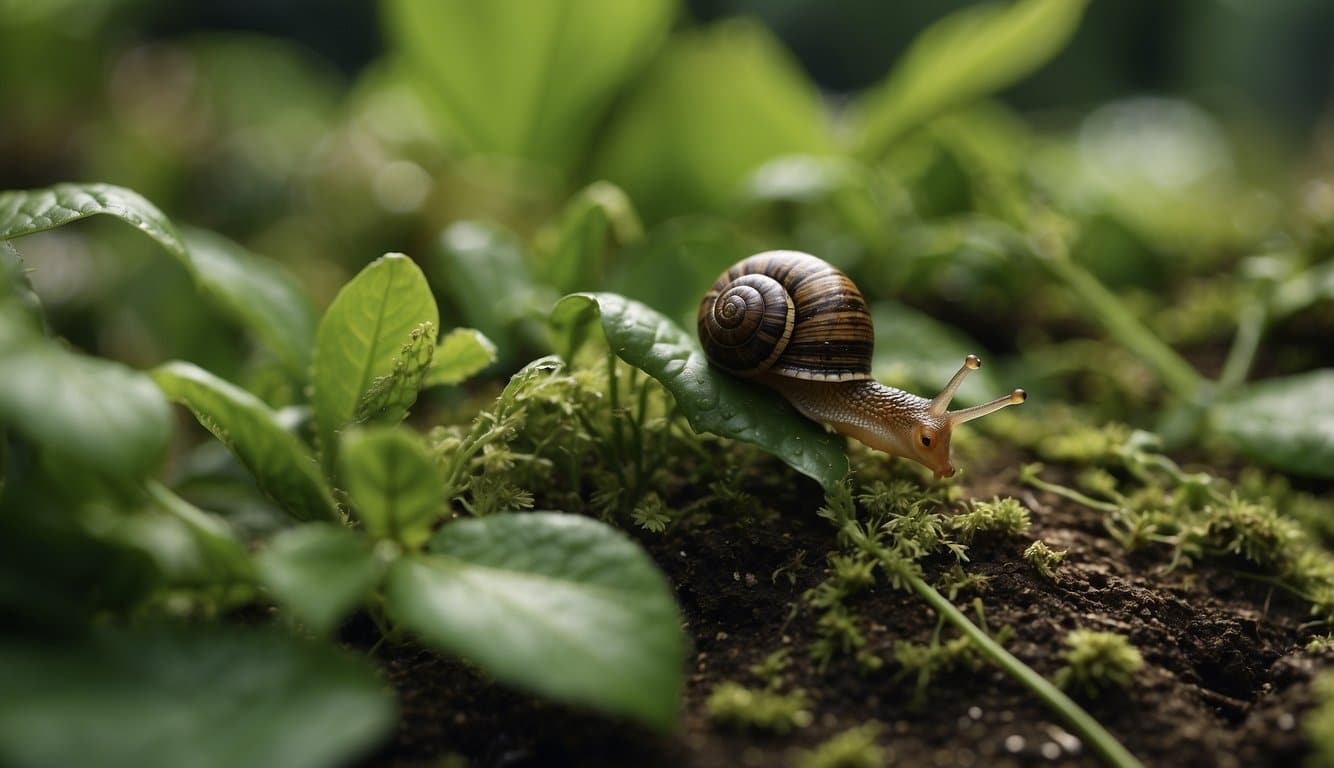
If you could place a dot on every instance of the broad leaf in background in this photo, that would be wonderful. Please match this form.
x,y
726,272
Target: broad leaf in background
x,y
203,696
100,414
969,54
523,79
711,400
257,293
915,351
734,98
574,260
560,604
484,271
1286,423
282,466
461,354
319,572
361,338
394,483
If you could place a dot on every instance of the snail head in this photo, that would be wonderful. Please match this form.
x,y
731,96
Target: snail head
x,y
931,431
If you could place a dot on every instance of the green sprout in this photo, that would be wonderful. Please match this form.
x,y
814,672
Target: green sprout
x,y
1044,559
1098,661
733,705
853,748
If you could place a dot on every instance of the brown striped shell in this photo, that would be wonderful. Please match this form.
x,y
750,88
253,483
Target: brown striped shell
x,y
790,314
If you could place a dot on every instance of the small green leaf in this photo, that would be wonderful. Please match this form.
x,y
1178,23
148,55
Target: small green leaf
x,y
259,293
1286,423
100,414
389,396
208,696
396,488
255,292
528,80
319,572
281,464
712,401
968,54
361,338
189,544
462,353
559,604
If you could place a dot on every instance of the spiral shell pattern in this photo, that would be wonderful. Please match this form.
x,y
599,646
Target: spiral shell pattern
x,y
790,314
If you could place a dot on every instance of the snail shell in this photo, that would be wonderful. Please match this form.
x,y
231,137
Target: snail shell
x,y
789,314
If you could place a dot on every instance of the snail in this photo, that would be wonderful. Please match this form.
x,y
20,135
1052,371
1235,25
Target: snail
x,y
797,324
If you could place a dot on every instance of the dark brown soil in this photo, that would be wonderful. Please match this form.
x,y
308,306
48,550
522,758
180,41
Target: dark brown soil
x,y
1225,680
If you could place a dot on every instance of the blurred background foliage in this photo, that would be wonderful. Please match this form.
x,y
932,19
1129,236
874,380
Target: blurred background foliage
x,y
1183,152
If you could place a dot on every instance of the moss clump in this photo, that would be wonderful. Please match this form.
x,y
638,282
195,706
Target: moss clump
x,y
1318,725
853,748
1098,661
1044,559
735,706
999,516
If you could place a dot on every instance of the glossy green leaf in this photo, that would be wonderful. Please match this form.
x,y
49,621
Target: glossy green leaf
x,y
1286,423
462,353
523,79
202,696
575,261
968,54
715,106
97,413
283,467
257,293
319,572
396,488
559,604
361,339
711,400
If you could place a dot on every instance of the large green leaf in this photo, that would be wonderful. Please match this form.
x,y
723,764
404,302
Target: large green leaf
x,y
524,79
559,604
715,106
711,400
1286,423
281,464
256,293
395,485
100,414
200,696
319,572
971,53
361,339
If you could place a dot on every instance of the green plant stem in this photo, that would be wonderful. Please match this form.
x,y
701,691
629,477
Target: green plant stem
x,y
1081,722
1104,307
1071,494
1250,329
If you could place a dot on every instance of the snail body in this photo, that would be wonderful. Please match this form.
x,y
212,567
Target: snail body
x,y
797,324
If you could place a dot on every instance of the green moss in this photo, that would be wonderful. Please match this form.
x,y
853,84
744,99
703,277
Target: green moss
x,y
853,748
1098,661
1044,559
1000,516
1318,725
771,669
732,705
